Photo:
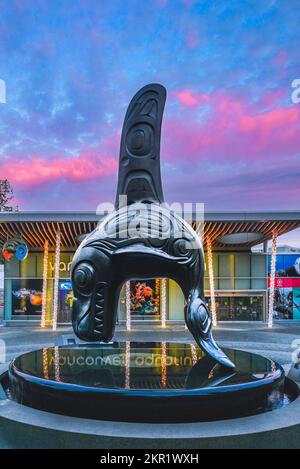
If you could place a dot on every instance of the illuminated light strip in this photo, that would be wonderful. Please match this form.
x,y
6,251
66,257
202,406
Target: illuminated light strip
x,y
56,278
194,354
56,364
211,282
45,363
128,304
45,279
127,365
273,366
272,279
63,240
163,364
163,302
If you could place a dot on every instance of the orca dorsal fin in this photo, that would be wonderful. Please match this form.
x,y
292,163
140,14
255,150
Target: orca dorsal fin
x,y
139,162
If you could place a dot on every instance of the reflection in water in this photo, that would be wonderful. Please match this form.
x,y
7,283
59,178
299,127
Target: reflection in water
x,y
45,363
132,365
172,382
194,354
127,365
163,302
163,364
56,364
273,366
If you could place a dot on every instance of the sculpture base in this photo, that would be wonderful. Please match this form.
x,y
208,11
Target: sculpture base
x,y
145,382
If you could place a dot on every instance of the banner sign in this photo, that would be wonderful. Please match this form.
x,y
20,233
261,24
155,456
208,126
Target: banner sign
x,y
287,265
285,282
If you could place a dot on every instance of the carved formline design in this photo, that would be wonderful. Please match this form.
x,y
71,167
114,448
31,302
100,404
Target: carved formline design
x,y
109,256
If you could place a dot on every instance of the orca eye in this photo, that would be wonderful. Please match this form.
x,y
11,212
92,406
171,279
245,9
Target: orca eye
x,y
84,277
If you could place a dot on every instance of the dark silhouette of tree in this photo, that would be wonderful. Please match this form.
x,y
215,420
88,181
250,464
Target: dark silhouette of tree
x,y
6,197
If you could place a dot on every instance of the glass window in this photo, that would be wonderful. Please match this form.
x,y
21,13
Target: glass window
x,y
27,297
258,284
242,283
215,265
226,265
242,265
176,301
226,269
145,299
65,301
258,266
239,308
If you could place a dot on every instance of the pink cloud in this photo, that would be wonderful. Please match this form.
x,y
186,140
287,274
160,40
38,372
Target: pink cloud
x,y
269,122
232,130
91,163
189,97
37,170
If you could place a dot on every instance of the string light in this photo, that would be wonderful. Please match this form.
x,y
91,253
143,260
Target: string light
x,y
127,365
56,364
163,302
128,307
45,363
163,364
194,354
45,279
272,279
56,279
211,282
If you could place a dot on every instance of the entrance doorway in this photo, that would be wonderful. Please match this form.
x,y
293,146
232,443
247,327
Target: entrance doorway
x,y
240,308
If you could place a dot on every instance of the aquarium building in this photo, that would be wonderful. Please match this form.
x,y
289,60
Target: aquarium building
x,y
37,289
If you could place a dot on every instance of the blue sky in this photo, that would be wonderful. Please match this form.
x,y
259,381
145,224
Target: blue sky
x,y
230,128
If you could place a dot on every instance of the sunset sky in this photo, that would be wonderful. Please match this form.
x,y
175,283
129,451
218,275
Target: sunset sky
x,y
231,134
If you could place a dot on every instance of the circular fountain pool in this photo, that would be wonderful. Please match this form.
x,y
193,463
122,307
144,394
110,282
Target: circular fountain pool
x,y
146,382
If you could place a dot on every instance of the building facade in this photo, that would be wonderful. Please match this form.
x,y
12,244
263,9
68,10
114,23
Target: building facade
x,y
30,288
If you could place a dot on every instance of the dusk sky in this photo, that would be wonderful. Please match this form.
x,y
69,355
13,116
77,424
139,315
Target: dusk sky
x,y
231,133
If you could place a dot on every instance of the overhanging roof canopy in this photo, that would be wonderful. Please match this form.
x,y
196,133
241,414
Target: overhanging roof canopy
x,y
37,227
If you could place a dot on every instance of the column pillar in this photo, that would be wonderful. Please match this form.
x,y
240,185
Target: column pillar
x,y
128,315
272,279
45,282
211,282
56,279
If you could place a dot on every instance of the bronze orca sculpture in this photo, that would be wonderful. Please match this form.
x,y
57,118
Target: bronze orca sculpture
x,y
141,239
